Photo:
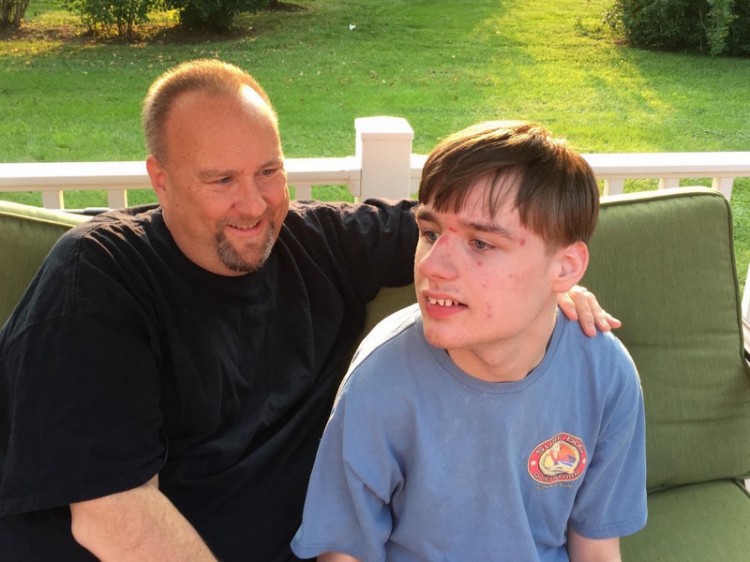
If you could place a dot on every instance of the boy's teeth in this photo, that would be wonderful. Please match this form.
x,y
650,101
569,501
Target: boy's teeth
x,y
441,302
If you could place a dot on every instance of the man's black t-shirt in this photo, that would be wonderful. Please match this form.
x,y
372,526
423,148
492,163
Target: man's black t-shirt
x,y
124,359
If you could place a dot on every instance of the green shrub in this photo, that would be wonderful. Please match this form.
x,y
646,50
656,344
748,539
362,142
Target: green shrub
x,y
705,26
12,12
213,14
123,15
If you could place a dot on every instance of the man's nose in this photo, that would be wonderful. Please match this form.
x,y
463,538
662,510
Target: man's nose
x,y
249,199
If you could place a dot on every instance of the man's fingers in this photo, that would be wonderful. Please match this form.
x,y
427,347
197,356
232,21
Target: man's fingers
x,y
581,304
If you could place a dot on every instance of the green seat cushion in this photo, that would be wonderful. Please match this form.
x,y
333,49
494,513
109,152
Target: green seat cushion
x,y
663,263
26,235
696,523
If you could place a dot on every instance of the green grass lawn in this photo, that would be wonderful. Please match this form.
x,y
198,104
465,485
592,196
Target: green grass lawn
x,y
441,65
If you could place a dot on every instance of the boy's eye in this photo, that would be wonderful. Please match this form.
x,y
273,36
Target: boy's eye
x,y
480,244
429,235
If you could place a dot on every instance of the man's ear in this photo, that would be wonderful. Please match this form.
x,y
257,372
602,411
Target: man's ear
x,y
570,265
158,177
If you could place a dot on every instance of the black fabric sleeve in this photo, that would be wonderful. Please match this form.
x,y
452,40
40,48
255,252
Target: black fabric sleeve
x,y
372,243
79,399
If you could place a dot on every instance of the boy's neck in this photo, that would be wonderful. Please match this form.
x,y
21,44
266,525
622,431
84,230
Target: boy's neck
x,y
510,360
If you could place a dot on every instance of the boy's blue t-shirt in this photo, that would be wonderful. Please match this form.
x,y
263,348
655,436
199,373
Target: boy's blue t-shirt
x,y
421,461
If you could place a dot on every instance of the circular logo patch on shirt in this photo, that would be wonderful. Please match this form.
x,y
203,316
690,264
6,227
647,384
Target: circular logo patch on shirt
x,y
561,458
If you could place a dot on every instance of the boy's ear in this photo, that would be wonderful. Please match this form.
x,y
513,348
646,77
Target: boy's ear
x,y
570,265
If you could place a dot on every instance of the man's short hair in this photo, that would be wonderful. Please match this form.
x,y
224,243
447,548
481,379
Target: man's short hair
x,y
212,77
553,187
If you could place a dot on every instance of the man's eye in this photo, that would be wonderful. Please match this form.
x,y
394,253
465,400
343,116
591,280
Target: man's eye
x,y
430,235
268,172
223,180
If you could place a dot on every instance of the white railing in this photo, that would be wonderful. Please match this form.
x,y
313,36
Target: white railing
x,y
382,166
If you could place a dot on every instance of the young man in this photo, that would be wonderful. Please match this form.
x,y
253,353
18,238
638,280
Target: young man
x,y
481,424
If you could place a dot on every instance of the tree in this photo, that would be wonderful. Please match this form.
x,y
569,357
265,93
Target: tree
x,y
124,15
213,14
707,26
12,12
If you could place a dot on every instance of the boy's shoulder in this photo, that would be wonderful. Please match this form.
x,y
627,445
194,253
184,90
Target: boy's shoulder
x,y
387,335
381,354
602,360
605,344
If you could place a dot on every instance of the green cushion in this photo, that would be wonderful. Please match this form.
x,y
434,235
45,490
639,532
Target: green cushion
x,y
663,263
26,235
696,523
389,300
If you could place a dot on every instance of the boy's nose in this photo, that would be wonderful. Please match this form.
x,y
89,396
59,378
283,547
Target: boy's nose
x,y
439,261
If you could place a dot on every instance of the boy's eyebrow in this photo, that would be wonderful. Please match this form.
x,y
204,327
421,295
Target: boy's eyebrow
x,y
488,227
421,214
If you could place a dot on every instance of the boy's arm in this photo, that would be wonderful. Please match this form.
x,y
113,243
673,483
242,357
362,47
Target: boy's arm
x,y
336,557
582,549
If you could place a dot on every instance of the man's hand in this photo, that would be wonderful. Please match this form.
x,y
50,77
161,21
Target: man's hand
x,y
580,304
139,525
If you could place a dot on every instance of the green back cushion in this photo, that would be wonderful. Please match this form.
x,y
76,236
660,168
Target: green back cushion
x,y
663,263
705,522
26,235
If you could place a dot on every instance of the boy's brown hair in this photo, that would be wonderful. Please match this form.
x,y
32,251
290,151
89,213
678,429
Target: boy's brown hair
x,y
555,189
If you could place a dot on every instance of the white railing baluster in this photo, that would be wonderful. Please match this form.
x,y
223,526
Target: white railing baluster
x,y
724,184
53,199
667,183
302,191
614,186
117,198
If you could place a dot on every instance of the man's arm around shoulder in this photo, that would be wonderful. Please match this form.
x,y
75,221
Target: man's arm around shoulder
x,y
582,549
138,524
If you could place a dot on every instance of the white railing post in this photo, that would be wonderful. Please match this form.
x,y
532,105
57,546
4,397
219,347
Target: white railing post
x,y
383,152
52,199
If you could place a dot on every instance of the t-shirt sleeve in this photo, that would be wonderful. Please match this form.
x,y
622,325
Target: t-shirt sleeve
x,y
612,498
355,474
370,244
79,392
